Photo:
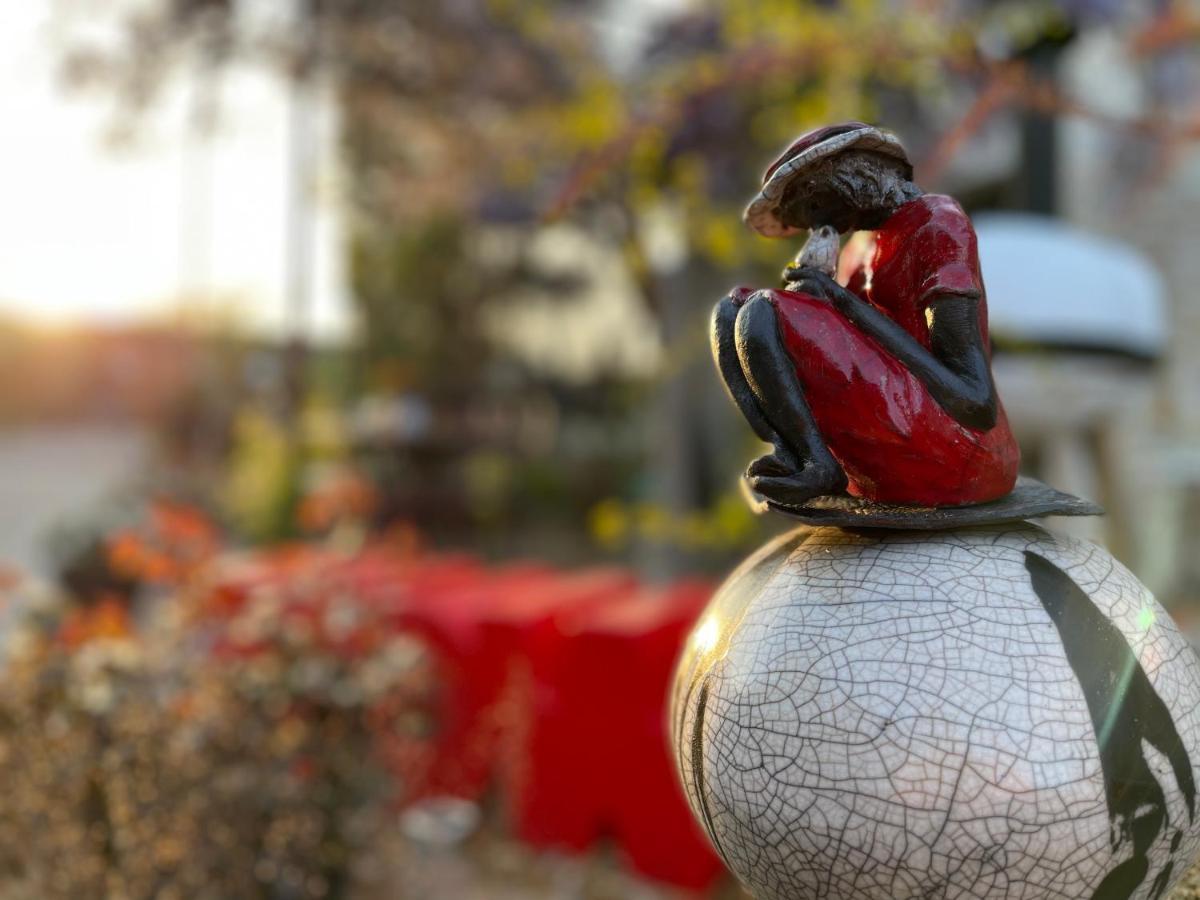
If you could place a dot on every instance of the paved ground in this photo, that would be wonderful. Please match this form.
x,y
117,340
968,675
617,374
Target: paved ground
x,y
490,867
55,474
510,873
487,869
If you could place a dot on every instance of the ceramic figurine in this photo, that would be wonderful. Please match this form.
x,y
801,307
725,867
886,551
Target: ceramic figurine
x,y
929,696
877,382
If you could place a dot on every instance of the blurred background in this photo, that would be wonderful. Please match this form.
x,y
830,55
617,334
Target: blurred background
x,y
362,464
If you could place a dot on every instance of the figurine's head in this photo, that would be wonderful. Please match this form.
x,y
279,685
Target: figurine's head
x,y
850,176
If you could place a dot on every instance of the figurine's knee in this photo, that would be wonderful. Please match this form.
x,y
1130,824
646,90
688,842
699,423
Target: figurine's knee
x,y
724,317
741,294
755,331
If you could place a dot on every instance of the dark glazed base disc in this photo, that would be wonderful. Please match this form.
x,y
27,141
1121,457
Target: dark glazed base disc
x,y
1029,499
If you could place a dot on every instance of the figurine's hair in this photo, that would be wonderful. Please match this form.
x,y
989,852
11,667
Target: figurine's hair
x,y
869,183
865,177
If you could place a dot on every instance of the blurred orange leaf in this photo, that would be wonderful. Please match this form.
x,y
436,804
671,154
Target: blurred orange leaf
x,y
107,619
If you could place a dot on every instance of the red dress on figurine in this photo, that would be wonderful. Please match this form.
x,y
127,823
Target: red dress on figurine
x,y
895,442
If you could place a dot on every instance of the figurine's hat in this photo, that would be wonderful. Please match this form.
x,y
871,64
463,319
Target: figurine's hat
x,y
763,212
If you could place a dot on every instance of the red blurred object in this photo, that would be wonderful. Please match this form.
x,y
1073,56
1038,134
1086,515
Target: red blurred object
x,y
552,685
593,761
472,718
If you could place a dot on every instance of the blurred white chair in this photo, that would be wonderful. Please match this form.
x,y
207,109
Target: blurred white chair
x,y
1056,286
1086,319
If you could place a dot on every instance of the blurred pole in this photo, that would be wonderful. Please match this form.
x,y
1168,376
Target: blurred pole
x,y
196,172
1037,183
682,457
300,226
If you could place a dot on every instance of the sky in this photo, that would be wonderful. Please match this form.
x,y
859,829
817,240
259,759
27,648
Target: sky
x,y
171,226
93,233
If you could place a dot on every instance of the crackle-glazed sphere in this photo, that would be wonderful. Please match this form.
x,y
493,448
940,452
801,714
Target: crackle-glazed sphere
x,y
988,713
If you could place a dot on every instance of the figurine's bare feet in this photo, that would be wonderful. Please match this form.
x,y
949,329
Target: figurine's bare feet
x,y
797,488
780,463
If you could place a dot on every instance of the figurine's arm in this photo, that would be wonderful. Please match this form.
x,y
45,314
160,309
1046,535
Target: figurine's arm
x,y
956,372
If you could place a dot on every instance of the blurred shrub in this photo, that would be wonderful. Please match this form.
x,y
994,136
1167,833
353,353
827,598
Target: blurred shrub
x,y
262,478
727,525
207,747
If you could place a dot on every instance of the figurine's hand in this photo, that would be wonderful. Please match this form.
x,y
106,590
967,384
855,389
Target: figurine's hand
x,y
792,272
815,283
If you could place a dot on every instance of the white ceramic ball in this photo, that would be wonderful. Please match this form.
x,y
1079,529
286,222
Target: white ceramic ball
x,y
995,712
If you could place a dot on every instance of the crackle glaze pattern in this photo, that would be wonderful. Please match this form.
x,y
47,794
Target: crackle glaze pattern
x,y
987,713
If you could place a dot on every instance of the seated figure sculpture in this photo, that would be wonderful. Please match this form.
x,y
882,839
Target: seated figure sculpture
x,y
873,379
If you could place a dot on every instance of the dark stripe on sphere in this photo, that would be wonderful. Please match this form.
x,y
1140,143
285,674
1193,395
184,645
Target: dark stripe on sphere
x,y
1125,711
698,767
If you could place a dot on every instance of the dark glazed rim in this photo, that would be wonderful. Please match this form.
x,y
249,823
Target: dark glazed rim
x,y
1030,499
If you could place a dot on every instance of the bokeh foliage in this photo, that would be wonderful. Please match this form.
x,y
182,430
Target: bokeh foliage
x,y
467,128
